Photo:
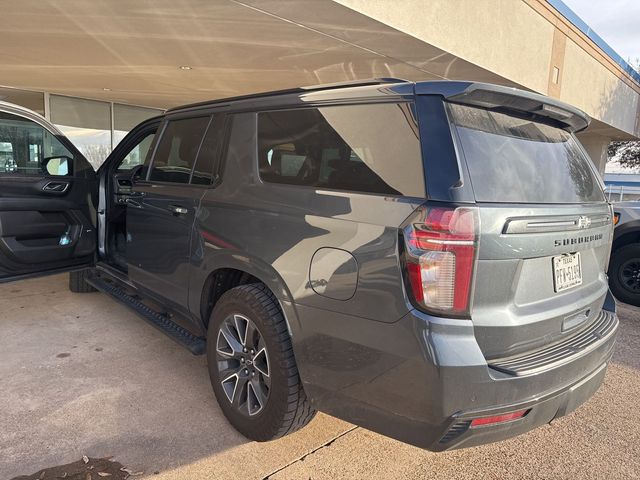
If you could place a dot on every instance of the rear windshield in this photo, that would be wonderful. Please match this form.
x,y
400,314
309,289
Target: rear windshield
x,y
511,159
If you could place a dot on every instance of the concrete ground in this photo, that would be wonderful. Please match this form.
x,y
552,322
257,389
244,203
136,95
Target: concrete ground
x,y
82,375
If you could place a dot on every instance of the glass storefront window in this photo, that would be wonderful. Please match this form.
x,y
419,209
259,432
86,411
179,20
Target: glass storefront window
x,y
125,117
87,123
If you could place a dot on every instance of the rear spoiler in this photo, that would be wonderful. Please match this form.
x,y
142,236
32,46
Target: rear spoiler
x,y
497,97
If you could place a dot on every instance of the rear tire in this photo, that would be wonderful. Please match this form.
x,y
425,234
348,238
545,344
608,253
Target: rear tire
x,y
624,274
261,395
78,282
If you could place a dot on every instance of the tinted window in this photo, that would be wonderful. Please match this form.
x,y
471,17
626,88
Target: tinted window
x,y
203,173
137,154
517,160
176,153
26,148
365,148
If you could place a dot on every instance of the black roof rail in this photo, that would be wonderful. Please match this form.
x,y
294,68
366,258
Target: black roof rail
x,y
355,83
311,88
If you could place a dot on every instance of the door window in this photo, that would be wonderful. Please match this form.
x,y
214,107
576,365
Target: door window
x,y
27,148
137,154
176,153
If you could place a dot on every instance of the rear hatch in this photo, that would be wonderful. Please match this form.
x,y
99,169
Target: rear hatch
x,y
544,229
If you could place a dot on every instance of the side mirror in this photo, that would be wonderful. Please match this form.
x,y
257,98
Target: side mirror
x,y
59,166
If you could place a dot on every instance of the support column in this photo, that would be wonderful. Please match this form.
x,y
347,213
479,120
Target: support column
x,y
596,147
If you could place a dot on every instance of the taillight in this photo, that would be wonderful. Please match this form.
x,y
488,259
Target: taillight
x,y
440,256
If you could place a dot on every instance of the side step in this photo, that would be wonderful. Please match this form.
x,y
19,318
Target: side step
x,y
196,345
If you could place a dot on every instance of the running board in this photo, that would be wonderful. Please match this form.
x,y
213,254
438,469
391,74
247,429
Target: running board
x,y
195,345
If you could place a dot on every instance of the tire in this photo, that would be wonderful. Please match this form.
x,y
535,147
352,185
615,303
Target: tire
x,y
78,282
624,274
241,379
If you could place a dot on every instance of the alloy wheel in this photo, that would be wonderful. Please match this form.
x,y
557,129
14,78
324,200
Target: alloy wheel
x,y
243,364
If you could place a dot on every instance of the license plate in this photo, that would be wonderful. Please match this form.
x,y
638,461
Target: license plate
x,y
567,272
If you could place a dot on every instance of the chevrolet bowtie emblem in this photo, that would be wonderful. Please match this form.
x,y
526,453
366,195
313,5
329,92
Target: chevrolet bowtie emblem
x,y
584,222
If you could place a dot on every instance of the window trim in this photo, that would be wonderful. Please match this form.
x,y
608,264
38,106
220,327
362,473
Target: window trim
x,y
220,161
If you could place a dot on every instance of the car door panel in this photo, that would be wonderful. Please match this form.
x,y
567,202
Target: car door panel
x,y
162,212
39,233
160,237
47,222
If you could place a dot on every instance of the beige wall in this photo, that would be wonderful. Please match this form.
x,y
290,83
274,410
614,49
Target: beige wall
x,y
596,147
475,30
521,40
588,85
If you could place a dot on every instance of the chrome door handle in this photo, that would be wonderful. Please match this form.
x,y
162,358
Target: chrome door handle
x,y
132,203
177,209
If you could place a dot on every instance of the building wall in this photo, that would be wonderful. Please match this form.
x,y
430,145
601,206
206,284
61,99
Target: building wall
x,y
521,40
589,85
475,31
596,147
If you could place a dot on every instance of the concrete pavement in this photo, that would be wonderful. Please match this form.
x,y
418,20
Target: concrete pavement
x,y
82,375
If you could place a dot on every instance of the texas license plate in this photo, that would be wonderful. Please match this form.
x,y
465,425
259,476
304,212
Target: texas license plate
x,y
567,271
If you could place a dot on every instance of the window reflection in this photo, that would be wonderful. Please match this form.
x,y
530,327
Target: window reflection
x,y
87,123
125,117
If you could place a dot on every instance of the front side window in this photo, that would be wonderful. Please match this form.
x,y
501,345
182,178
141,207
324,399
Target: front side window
x,y
137,154
27,148
518,160
365,148
176,153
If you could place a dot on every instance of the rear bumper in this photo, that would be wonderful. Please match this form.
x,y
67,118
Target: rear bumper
x,y
424,379
460,433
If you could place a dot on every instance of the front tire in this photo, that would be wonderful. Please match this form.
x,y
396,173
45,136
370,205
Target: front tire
x,y
624,274
251,365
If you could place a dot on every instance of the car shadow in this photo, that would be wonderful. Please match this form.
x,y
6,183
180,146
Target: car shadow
x,y
627,349
80,374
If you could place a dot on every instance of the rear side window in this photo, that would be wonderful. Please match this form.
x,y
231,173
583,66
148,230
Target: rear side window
x,y
364,148
176,152
511,159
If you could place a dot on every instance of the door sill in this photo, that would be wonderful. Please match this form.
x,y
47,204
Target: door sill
x,y
114,272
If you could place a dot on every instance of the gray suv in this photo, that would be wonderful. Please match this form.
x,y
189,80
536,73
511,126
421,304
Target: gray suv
x,y
426,260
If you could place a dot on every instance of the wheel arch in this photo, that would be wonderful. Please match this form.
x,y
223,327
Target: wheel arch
x,y
247,269
626,234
